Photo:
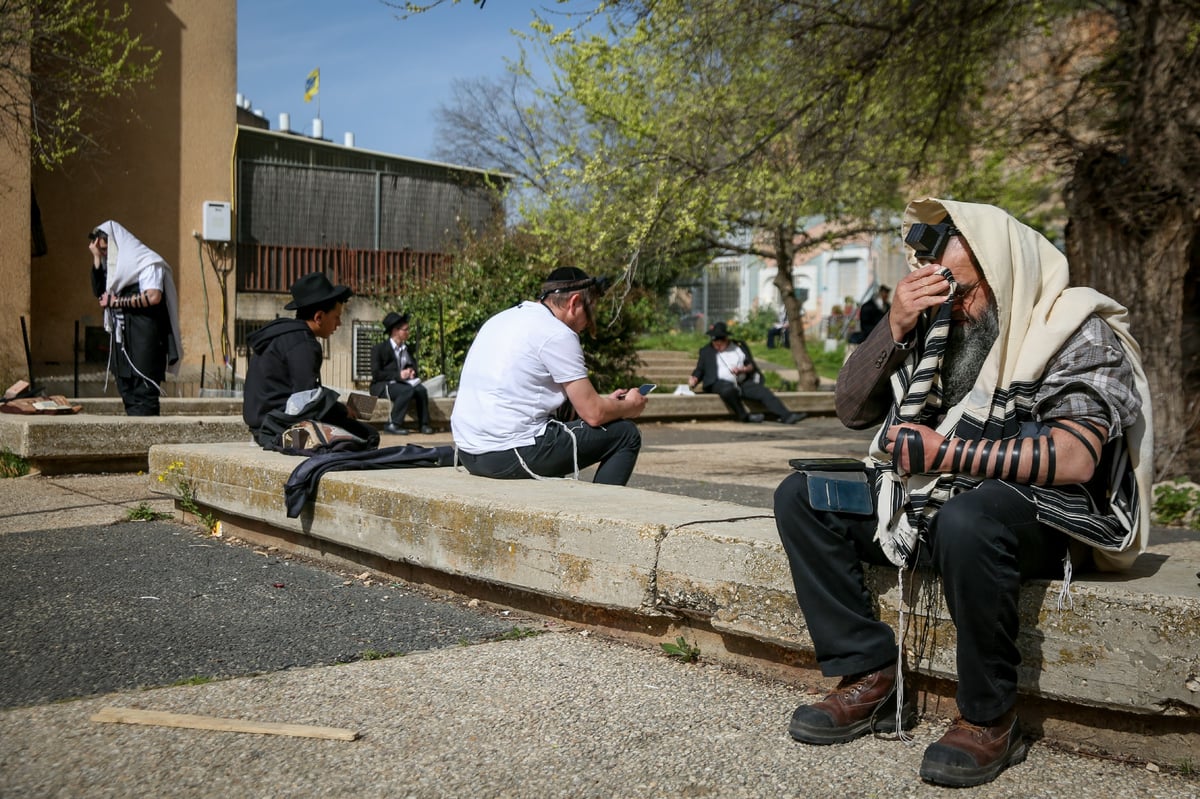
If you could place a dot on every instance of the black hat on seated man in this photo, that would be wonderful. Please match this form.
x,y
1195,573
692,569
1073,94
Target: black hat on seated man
x,y
393,320
718,330
315,289
571,278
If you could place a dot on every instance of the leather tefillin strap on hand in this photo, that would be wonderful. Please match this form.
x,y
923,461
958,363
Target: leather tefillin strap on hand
x,y
910,443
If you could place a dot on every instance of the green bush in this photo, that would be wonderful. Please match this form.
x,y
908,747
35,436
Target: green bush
x,y
1175,502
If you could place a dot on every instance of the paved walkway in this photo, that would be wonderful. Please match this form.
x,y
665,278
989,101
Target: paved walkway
x,y
567,712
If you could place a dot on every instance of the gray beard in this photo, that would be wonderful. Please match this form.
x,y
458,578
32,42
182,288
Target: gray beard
x,y
966,350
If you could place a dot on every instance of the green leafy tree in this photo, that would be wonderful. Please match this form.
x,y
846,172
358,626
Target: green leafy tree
x,y
59,61
750,127
708,118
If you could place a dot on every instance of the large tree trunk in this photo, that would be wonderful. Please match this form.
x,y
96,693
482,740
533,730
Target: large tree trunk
x,y
1141,260
785,251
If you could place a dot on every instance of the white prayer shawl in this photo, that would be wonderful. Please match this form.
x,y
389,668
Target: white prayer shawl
x,y
1038,313
127,257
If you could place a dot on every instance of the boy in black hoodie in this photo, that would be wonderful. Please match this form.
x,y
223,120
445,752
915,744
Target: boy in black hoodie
x,y
286,359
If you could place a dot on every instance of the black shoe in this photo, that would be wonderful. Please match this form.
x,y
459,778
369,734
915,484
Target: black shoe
x,y
753,418
395,430
970,754
426,430
792,418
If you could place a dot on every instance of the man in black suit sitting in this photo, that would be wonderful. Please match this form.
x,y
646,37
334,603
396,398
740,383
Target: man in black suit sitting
x,y
727,368
394,371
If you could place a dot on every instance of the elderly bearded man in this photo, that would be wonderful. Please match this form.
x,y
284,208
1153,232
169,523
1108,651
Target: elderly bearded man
x,y
1015,443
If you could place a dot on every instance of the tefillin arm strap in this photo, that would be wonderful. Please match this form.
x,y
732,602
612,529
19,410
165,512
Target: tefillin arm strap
x,y
138,300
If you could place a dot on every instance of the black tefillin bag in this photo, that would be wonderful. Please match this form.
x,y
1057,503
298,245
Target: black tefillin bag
x,y
837,484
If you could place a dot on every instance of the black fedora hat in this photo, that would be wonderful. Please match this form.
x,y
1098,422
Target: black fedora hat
x,y
718,331
393,320
315,289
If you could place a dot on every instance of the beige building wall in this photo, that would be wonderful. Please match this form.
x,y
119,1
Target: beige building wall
x,y
14,258
167,150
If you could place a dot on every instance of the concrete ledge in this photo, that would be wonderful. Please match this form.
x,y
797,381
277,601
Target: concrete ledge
x,y
102,438
86,442
171,406
660,407
1130,643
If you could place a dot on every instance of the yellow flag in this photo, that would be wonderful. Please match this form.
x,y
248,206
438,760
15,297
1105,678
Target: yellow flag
x,y
312,85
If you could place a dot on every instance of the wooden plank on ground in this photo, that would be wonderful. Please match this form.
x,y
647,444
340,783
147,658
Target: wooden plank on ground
x,y
165,719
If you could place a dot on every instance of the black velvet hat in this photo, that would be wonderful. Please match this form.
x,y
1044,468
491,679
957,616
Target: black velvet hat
x,y
718,331
393,320
315,289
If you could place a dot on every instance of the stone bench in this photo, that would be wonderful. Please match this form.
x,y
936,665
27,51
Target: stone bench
x,y
86,442
1128,648
661,407
102,438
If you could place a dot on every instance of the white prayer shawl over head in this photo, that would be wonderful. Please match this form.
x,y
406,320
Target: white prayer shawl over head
x,y
127,257
1038,313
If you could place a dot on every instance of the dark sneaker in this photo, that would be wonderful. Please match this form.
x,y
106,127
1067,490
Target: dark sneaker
x,y
426,430
969,754
860,705
395,430
753,418
793,417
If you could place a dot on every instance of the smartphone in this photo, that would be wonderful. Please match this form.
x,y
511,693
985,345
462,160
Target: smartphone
x,y
646,388
827,464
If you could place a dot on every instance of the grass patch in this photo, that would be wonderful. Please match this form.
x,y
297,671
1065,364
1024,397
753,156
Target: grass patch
x,y
682,650
517,633
1176,504
12,465
144,513
198,679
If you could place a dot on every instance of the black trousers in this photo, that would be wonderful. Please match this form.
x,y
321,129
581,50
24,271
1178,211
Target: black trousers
x,y
139,361
402,394
615,446
732,393
982,543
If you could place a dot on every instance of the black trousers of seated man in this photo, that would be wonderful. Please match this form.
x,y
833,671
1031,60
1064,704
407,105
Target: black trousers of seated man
x,y
982,543
732,393
401,395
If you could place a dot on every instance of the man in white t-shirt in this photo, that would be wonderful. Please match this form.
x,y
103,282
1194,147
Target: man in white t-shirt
x,y
525,375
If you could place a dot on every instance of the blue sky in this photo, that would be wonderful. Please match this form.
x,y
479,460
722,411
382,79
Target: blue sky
x,y
381,77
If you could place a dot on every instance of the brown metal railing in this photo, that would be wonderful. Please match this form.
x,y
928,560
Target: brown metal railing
x,y
273,268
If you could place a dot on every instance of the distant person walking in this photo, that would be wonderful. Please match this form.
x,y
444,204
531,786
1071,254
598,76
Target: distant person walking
x,y
871,313
136,291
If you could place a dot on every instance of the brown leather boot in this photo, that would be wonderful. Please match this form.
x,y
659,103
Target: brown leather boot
x,y
859,705
969,754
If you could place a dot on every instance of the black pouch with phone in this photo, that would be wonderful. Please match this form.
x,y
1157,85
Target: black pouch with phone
x,y
837,484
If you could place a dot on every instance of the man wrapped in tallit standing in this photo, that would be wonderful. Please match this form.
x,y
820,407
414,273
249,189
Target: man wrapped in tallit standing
x,y
1015,444
134,286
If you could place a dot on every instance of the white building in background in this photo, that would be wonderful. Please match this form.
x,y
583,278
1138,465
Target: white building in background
x,y
831,282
